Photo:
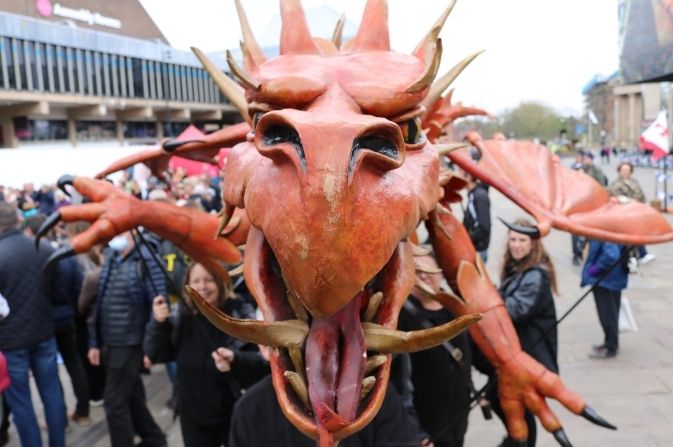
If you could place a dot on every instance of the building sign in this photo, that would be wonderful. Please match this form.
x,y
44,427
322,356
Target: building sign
x,y
46,9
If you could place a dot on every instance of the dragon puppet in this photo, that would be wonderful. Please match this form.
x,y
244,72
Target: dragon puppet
x,y
328,179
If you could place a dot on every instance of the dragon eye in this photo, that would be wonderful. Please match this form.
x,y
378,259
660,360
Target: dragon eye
x,y
411,131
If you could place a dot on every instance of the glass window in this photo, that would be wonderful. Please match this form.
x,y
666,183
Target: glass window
x,y
3,63
49,68
95,130
140,129
137,76
40,130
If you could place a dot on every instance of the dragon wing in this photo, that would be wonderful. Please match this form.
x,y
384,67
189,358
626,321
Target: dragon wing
x,y
556,196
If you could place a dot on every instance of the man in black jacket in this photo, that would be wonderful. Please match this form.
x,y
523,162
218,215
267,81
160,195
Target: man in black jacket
x,y
477,215
27,334
129,280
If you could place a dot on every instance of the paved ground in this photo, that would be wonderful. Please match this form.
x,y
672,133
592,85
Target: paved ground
x,y
633,391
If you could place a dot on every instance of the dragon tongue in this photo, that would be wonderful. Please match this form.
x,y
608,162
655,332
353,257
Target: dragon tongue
x,y
335,362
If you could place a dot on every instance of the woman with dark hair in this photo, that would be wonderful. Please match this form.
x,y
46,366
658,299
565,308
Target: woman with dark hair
x,y
528,284
205,395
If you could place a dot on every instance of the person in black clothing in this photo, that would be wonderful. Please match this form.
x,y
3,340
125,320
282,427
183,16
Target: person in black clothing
x,y
477,215
258,420
27,334
64,307
130,278
441,375
528,285
206,391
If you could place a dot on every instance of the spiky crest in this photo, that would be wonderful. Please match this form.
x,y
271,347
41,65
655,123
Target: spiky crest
x,y
373,32
252,54
295,36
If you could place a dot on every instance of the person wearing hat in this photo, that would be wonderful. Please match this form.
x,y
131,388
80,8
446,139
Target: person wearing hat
x,y
528,284
592,170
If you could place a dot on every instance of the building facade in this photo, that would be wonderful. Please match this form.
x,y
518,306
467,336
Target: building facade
x,y
81,71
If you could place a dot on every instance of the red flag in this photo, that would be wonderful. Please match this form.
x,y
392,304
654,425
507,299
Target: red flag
x,y
655,137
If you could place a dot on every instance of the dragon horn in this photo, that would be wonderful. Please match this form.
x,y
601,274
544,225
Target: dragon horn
x,y
426,44
295,37
384,340
373,32
232,91
445,81
246,79
253,55
276,334
337,35
432,60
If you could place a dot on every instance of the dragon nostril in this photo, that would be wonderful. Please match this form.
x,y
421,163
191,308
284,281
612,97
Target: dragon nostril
x,y
278,134
377,144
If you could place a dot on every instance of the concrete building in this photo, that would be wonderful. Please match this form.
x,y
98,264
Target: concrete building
x,y
81,70
621,111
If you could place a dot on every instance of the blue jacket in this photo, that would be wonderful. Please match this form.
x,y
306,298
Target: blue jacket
x,y
603,255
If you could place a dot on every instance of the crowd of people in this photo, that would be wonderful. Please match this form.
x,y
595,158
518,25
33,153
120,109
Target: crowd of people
x,y
114,312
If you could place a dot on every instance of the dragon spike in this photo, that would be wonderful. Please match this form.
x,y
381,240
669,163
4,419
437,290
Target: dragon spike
x,y
244,77
252,53
295,36
232,91
430,38
443,149
373,32
432,60
445,81
337,35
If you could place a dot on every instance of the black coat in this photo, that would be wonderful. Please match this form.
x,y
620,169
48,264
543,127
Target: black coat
x,y
126,288
27,290
530,303
259,421
477,218
204,393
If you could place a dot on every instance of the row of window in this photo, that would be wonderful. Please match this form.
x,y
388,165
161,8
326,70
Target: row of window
x,y
43,67
51,130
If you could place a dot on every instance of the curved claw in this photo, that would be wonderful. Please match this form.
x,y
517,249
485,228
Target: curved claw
x,y
173,145
63,252
562,438
47,225
63,181
590,415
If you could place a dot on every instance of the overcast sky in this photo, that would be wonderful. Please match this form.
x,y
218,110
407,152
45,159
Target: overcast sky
x,y
543,50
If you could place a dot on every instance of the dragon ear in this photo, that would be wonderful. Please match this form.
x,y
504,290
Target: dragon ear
x,y
295,37
252,54
373,32
432,61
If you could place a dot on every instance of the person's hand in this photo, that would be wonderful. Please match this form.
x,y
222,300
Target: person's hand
x,y
427,443
223,358
160,309
147,363
94,356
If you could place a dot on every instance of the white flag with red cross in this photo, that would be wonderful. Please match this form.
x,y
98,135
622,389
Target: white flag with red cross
x,y
655,137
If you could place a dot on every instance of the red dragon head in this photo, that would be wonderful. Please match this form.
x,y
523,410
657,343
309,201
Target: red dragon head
x,y
334,176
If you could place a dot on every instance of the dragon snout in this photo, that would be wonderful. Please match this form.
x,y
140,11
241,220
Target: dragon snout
x,y
347,144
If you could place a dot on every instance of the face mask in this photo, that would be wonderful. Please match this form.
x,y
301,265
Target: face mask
x,y
118,243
